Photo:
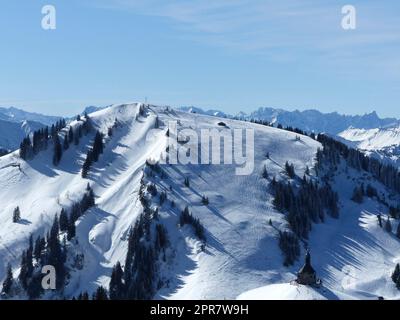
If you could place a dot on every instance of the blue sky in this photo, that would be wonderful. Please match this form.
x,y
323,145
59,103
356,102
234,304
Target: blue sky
x,y
227,54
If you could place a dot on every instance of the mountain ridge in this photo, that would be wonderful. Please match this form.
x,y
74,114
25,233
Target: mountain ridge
x,y
310,120
242,225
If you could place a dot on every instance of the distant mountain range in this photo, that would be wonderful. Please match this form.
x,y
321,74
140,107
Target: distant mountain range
x,y
308,120
369,132
16,124
18,115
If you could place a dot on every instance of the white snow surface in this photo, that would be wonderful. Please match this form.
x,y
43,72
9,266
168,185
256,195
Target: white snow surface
x,y
288,291
383,143
373,139
352,255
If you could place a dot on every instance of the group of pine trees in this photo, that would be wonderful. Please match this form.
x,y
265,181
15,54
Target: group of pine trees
x,y
147,244
360,192
305,204
187,218
93,153
141,261
30,147
47,250
289,168
290,246
67,221
138,279
387,174
334,150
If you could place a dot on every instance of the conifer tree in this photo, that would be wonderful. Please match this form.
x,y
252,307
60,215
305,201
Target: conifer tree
x,y
187,182
398,231
388,225
16,215
29,257
83,296
66,143
55,253
63,220
76,136
23,274
101,294
357,195
34,288
87,164
97,149
71,231
265,172
396,274
8,282
70,135
116,284
380,220
39,247
57,150
289,168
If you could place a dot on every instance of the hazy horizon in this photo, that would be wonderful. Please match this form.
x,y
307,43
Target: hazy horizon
x,y
249,111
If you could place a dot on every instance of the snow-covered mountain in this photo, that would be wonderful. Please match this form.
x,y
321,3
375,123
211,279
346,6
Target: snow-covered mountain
x,y
316,121
12,133
383,143
12,114
209,112
229,245
91,109
307,120
16,124
378,137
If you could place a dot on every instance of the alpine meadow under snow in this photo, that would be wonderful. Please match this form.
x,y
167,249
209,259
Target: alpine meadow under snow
x,y
163,231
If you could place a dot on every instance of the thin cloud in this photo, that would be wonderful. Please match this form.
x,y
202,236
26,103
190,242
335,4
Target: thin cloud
x,y
280,30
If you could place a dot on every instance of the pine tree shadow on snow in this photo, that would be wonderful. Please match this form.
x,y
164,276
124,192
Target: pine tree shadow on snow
x,y
24,222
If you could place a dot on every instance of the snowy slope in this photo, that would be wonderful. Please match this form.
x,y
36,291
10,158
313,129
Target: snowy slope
x,y
242,251
290,291
378,137
381,142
